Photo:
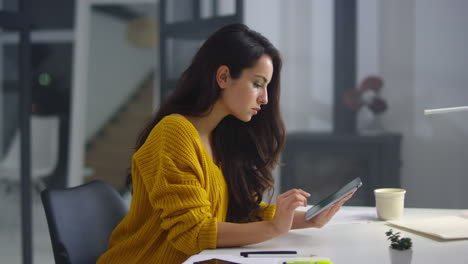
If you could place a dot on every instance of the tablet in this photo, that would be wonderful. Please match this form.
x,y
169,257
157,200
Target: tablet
x,y
333,198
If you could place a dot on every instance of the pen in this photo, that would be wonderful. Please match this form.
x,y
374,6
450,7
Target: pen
x,y
280,252
308,262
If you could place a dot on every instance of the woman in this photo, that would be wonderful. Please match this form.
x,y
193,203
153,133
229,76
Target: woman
x,y
204,163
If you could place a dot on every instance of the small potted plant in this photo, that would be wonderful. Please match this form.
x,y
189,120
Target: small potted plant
x,y
400,248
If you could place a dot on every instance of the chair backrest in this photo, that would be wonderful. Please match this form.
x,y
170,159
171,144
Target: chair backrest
x,y
81,220
44,147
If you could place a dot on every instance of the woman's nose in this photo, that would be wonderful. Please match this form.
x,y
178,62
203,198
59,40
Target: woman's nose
x,y
263,98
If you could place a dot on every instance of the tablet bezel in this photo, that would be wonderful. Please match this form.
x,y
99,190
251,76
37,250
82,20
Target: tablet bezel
x,y
333,198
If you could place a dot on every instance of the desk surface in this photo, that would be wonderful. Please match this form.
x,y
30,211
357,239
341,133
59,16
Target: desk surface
x,y
356,236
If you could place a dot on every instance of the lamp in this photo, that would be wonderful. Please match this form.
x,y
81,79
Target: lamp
x,y
445,110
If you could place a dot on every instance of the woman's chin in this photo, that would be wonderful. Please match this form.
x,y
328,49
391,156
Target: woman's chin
x,y
245,118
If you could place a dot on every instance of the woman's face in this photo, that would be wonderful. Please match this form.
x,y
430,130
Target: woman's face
x,y
244,96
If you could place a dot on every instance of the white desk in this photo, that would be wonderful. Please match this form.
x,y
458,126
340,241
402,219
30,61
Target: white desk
x,y
356,236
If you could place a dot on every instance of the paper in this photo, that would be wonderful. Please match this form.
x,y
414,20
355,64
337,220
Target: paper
x,y
445,227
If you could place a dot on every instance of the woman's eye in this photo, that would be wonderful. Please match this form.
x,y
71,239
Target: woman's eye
x,y
257,85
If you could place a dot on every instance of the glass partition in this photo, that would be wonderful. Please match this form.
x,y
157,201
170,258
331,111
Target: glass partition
x,y
421,60
410,56
179,10
9,5
10,192
179,54
120,73
226,7
206,8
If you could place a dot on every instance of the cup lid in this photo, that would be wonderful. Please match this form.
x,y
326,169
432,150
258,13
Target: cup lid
x,y
389,190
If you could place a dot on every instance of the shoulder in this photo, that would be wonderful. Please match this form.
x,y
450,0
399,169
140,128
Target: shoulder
x,y
176,121
174,125
173,131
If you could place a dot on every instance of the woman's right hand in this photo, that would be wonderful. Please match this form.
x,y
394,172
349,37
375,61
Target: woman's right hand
x,y
286,204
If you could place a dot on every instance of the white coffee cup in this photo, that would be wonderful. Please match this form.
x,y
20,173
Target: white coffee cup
x,y
390,203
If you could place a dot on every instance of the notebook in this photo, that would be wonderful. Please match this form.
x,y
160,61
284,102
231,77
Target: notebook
x,y
444,227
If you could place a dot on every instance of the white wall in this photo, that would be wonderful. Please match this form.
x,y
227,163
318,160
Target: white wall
x,y
302,31
115,69
417,47
421,57
1,98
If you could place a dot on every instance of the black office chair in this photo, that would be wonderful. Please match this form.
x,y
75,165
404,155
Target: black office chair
x,y
81,220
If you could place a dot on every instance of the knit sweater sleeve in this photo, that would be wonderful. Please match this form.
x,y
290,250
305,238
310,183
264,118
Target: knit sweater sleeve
x,y
172,174
267,211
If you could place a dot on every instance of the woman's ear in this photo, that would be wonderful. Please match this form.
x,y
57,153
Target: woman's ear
x,y
223,76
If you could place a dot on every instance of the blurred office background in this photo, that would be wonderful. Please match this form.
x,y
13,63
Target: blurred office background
x,y
357,76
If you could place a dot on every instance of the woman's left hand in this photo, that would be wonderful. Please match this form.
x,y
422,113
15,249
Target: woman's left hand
x,y
324,217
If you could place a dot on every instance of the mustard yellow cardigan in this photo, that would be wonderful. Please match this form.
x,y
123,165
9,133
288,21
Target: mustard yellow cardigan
x,y
179,195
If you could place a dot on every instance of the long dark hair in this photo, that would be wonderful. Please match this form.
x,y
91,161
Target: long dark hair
x,y
247,152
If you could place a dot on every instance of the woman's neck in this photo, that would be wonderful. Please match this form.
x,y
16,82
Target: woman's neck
x,y
207,123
